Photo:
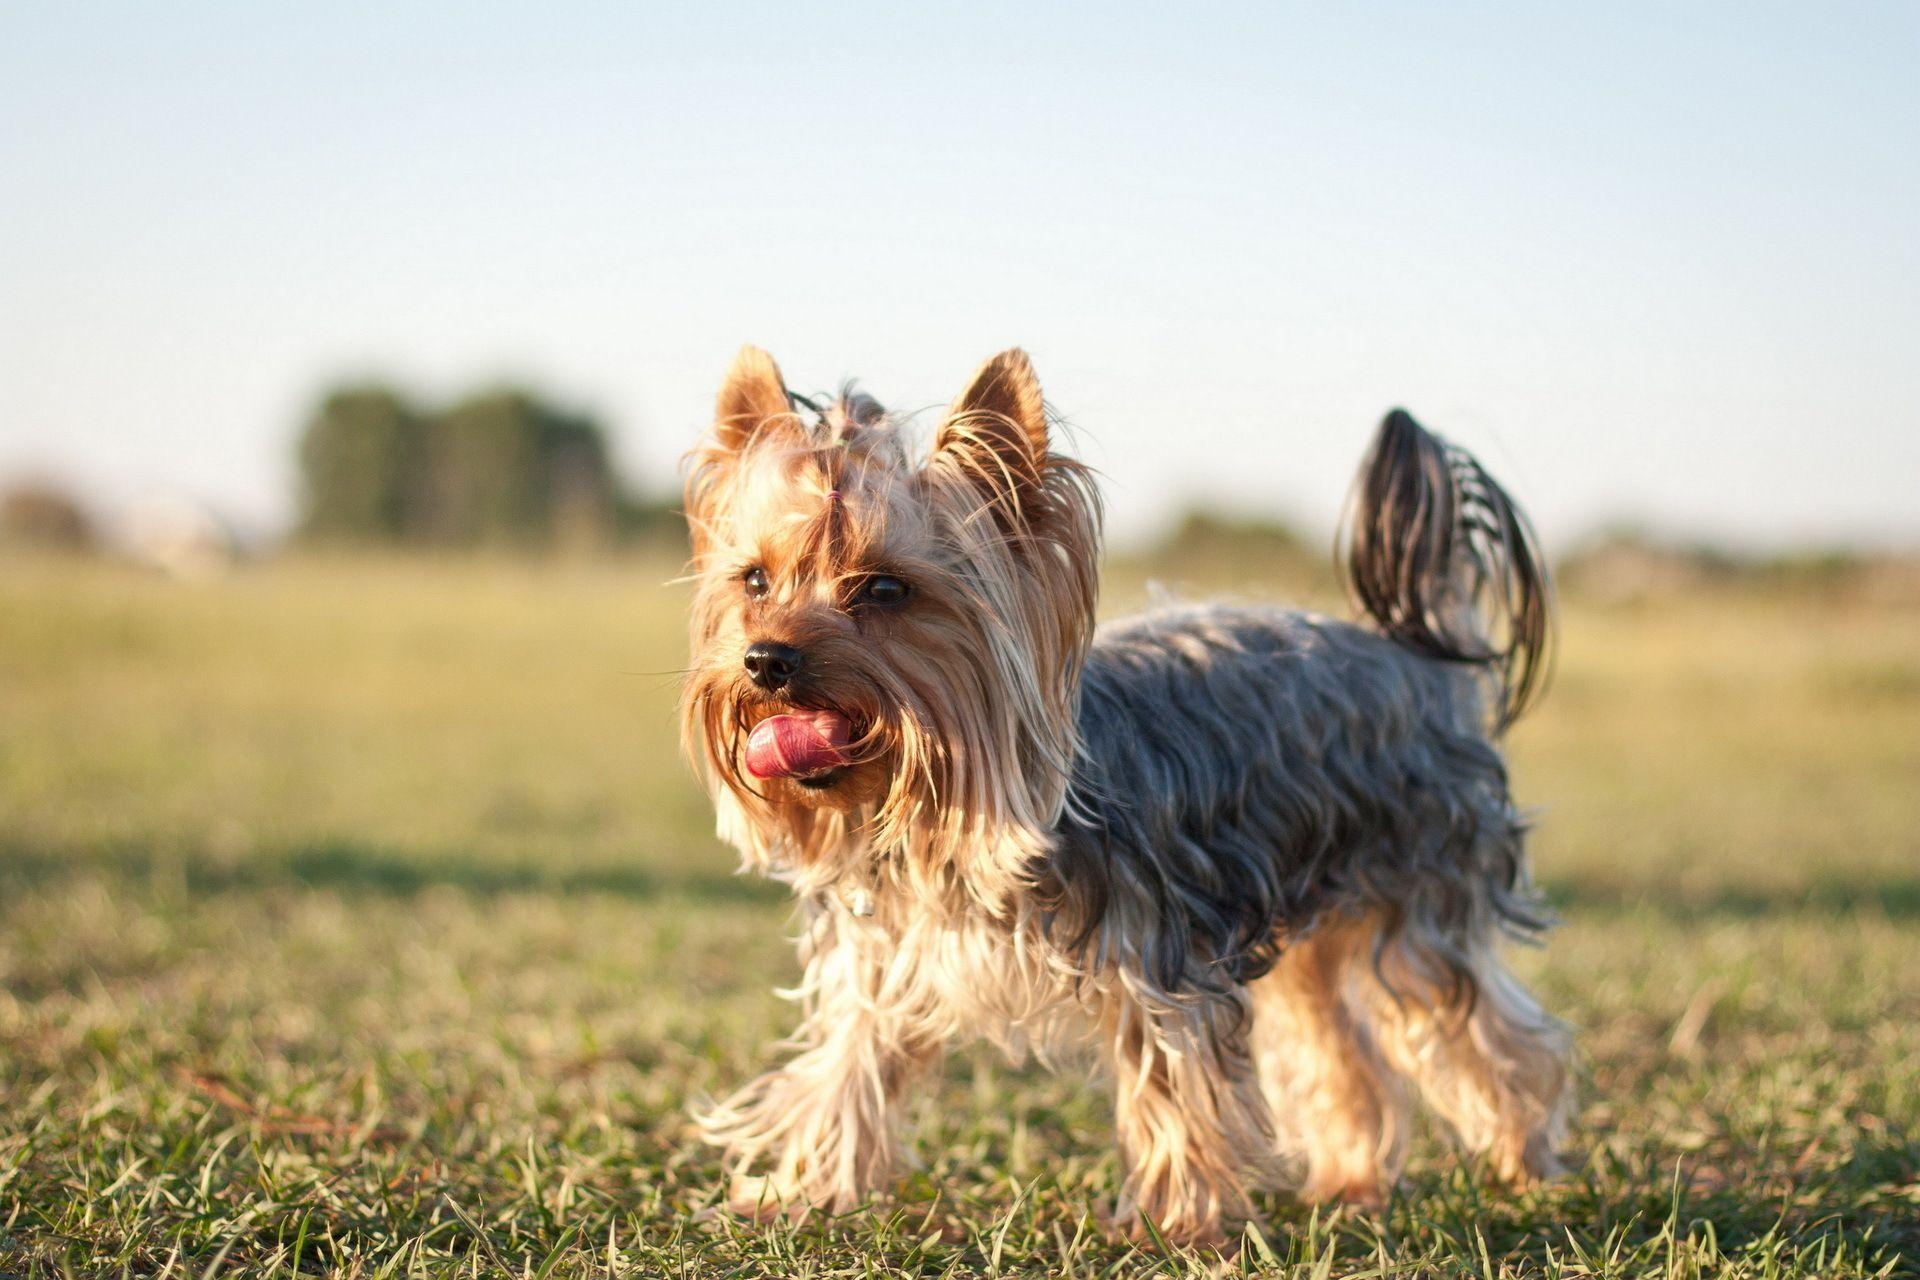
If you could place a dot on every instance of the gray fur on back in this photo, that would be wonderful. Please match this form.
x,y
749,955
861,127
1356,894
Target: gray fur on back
x,y
1249,769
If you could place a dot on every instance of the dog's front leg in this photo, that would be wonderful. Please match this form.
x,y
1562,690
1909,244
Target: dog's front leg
x,y
1192,1123
821,1131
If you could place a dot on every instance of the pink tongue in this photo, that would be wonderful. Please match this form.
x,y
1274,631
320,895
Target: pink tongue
x,y
793,746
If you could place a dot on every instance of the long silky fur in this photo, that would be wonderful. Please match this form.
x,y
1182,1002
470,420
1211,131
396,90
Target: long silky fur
x,y
1249,770
1447,564
1195,838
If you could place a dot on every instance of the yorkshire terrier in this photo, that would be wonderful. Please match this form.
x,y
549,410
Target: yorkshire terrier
x,y
1259,862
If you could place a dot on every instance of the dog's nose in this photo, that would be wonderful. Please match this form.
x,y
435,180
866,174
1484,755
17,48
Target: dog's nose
x,y
771,665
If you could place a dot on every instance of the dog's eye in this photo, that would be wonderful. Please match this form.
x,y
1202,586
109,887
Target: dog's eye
x,y
755,581
884,589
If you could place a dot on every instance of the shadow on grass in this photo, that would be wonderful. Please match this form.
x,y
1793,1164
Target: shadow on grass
x,y
355,867
1897,898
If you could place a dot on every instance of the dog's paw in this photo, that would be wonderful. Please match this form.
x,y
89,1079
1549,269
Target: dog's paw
x,y
1128,1222
1360,1190
1524,1163
762,1199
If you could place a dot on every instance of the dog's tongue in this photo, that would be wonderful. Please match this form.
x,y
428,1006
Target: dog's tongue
x,y
793,746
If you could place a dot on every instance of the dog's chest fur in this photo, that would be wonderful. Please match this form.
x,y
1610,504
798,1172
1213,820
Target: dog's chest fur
x,y
948,967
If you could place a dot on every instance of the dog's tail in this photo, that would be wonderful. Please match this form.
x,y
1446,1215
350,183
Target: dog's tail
x,y
1447,564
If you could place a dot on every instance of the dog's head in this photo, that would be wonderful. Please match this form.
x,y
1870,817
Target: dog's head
x,y
883,643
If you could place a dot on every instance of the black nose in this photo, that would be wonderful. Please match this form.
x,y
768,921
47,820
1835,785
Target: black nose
x,y
771,665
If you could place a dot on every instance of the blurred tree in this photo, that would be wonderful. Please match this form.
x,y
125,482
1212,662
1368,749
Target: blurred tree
x,y
359,463
503,469
41,514
651,519
498,469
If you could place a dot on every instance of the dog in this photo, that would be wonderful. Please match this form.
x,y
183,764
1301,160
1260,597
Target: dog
x,y
1257,863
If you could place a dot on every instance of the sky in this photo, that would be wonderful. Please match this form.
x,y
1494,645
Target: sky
x,y
1657,264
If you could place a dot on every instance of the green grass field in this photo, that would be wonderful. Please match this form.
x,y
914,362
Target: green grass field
x,y
358,918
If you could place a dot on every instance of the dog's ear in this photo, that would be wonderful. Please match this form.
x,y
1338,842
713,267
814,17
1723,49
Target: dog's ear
x,y
996,434
752,394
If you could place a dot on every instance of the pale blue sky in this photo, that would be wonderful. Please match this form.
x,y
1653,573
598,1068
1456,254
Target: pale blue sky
x,y
1652,261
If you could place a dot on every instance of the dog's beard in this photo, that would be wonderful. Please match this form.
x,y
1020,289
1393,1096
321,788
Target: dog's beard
x,y
939,758
897,766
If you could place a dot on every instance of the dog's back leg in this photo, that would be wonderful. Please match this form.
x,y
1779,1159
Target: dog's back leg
x,y
1338,1110
1448,1013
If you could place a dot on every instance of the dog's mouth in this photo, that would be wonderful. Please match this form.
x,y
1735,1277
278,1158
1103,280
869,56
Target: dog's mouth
x,y
809,746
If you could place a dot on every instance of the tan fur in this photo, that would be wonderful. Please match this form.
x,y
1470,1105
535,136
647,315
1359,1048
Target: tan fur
x,y
1344,1112
1349,1020
1487,1059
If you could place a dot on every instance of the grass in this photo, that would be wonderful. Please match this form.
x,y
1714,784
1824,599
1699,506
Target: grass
x,y
357,918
